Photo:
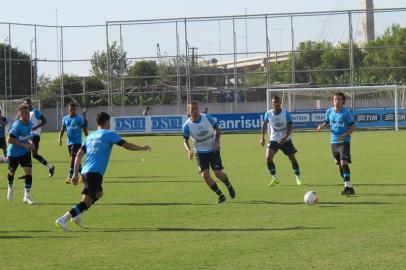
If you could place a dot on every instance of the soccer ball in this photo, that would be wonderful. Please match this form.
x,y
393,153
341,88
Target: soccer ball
x,y
311,198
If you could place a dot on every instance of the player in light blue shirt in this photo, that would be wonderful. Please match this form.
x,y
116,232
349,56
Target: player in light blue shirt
x,y
342,125
18,153
97,148
205,133
279,122
73,124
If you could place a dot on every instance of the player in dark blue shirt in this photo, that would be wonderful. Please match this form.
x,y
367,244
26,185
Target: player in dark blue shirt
x,y
3,124
97,148
18,153
73,124
342,125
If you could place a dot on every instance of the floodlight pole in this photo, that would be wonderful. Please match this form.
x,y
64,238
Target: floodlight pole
x,y
293,50
267,64
187,65
109,105
122,73
62,87
235,67
178,81
35,64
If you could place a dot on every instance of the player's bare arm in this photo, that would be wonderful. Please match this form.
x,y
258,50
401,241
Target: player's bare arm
x,y
264,131
61,132
134,147
42,122
187,147
16,142
348,133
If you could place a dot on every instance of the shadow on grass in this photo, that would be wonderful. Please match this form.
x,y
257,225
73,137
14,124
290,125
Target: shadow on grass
x,y
151,181
136,204
141,177
355,185
327,203
119,230
385,194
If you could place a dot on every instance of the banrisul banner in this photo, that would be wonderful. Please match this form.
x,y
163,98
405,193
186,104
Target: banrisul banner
x,y
240,122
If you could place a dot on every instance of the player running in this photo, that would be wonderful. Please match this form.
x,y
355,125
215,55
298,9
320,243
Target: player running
x,y
18,153
73,124
280,122
38,120
342,125
97,147
205,134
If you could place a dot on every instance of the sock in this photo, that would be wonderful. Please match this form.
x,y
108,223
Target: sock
x,y
341,172
10,179
41,160
295,167
216,189
346,173
271,168
79,208
347,184
28,182
70,172
226,182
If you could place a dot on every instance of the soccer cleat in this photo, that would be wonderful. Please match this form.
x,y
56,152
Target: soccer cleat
x,y
273,182
231,191
68,181
61,224
51,171
27,199
348,191
298,181
221,198
77,221
10,194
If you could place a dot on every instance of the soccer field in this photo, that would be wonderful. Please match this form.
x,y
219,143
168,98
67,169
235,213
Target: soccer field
x,y
157,213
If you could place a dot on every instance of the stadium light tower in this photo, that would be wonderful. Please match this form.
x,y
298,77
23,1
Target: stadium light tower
x,y
367,20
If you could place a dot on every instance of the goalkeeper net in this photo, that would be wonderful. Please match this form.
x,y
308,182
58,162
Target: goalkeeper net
x,y
9,109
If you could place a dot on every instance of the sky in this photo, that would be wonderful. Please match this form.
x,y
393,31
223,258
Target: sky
x,y
80,43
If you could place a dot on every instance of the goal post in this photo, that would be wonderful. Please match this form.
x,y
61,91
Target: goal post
x,y
373,107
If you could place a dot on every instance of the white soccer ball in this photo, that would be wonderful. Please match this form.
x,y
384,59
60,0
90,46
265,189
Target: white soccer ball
x,y
311,198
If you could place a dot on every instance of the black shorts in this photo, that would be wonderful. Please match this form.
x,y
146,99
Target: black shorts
x,y
287,147
341,151
74,149
35,140
213,159
93,184
3,144
23,161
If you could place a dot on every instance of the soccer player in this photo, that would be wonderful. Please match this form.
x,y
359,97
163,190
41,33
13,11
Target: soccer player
x,y
3,124
18,152
38,120
280,123
205,134
73,124
97,147
342,126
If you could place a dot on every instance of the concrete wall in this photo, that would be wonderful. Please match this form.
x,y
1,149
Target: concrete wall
x,y
54,118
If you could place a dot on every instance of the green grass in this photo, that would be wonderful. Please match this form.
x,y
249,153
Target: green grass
x,y
158,213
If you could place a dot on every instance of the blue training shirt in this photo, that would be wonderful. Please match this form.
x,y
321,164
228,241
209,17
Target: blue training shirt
x,y
22,132
340,123
3,123
97,146
73,125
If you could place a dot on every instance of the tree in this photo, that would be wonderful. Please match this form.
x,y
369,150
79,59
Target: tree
x,y
119,63
21,67
145,71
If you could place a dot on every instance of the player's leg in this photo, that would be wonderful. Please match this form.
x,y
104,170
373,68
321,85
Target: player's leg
x,y
289,149
270,153
217,166
92,192
28,184
12,167
41,159
345,159
3,146
203,162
